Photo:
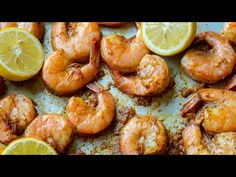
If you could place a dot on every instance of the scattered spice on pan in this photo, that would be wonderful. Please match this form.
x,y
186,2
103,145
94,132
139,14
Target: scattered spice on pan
x,y
125,113
143,101
106,148
175,146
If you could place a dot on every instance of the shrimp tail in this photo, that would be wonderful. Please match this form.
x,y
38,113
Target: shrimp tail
x,y
191,106
95,87
232,84
95,54
138,25
119,80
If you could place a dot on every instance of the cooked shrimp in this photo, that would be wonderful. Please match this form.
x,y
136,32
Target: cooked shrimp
x,y
90,120
218,111
152,77
224,143
36,28
53,129
229,31
231,85
7,133
143,135
209,65
123,54
16,112
112,24
193,141
75,39
196,143
63,76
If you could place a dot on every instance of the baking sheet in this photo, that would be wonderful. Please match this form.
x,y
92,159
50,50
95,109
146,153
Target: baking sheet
x,y
165,107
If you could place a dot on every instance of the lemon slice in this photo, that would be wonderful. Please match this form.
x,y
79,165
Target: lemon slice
x,y
21,54
28,146
2,147
168,38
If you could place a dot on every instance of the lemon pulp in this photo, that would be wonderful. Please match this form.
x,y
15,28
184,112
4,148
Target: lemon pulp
x,y
28,146
21,54
168,38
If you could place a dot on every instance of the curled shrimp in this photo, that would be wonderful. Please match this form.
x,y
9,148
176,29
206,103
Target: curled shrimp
x,y
88,119
209,65
214,112
193,141
7,133
75,39
36,28
229,31
53,129
64,76
143,135
217,109
197,142
16,112
111,24
123,54
152,77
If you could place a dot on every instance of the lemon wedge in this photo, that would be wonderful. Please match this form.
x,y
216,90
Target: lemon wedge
x,y
168,38
21,54
28,146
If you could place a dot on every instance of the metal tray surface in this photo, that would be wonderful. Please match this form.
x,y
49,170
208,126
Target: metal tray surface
x,y
165,106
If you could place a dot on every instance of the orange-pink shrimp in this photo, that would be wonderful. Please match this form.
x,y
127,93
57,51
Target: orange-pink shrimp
x,y
123,54
152,77
54,129
214,111
216,108
197,142
65,76
16,113
88,119
209,65
75,39
143,135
